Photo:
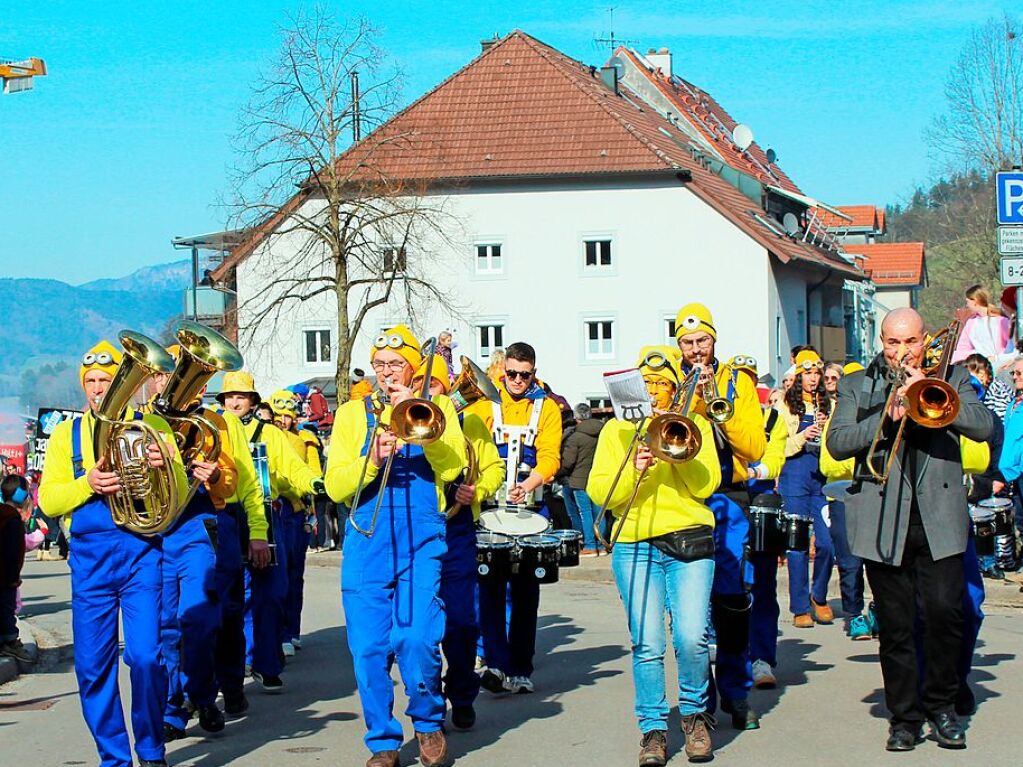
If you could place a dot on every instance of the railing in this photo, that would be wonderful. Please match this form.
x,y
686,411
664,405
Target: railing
x,y
206,302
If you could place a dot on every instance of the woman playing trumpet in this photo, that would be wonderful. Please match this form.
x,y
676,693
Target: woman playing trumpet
x,y
661,561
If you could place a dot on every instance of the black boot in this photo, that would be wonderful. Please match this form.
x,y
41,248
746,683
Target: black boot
x,y
948,730
210,718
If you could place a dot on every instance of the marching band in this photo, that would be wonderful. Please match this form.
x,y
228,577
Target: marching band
x,y
190,524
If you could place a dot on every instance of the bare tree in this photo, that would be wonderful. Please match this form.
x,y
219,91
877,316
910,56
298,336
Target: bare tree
x,y
982,127
351,238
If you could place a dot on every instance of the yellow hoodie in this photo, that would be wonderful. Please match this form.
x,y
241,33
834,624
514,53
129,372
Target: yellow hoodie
x,y
670,496
770,466
516,412
289,474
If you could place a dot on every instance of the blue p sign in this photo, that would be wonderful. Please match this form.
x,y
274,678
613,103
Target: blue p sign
x,y
1009,195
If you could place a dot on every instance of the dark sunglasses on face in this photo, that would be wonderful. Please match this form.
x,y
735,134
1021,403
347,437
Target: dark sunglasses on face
x,y
525,375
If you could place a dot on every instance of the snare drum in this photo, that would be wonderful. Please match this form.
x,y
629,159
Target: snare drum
x,y
1002,509
798,530
514,521
494,555
767,530
570,542
983,531
536,558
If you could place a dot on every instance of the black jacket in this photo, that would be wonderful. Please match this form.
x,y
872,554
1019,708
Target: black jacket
x,y
577,452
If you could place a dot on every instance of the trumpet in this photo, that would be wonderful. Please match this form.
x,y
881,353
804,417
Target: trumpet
x,y
417,421
718,408
930,402
672,437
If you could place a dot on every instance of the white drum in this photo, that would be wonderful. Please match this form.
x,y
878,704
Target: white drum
x,y
514,521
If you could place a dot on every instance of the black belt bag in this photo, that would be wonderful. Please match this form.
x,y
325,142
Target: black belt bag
x,y
687,545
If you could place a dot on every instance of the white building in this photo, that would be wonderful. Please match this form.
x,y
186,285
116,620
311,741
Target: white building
x,y
585,217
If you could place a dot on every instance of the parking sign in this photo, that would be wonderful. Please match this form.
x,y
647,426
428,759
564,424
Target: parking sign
x,y
1009,197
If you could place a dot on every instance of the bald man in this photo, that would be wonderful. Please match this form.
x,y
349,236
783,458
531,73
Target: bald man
x,y
910,531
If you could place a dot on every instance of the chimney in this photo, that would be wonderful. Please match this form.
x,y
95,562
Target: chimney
x,y
486,45
660,60
609,76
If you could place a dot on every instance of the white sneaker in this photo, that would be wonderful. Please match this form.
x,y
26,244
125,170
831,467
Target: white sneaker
x,y
763,675
297,642
519,684
289,649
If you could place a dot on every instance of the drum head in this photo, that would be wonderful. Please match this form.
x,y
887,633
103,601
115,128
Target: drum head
x,y
995,504
978,514
487,540
514,522
567,535
540,541
838,490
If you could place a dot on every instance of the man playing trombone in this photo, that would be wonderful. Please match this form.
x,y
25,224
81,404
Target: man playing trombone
x,y
664,556
395,543
909,521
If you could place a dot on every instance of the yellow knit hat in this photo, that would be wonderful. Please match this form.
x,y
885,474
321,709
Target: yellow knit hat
x,y
852,367
694,318
660,362
238,382
103,356
283,402
439,373
400,340
808,360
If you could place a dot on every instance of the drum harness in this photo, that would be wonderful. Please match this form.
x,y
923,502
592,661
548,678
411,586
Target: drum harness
x,y
516,438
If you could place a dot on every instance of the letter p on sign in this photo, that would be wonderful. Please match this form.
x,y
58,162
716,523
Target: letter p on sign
x,y
1009,193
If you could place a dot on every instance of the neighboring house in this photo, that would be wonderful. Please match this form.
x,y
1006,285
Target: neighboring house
x,y
897,269
586,217
858,224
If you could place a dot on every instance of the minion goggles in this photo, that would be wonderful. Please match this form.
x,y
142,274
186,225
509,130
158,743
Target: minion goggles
x,y
102,359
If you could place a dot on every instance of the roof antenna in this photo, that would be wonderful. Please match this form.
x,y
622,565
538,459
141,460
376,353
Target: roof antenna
x,y
610,40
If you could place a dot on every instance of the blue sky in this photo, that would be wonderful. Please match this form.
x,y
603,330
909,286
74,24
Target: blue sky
x,y
125,144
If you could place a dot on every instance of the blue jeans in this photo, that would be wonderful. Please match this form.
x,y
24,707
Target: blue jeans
x,y
583,514
648,582
800,587
850,566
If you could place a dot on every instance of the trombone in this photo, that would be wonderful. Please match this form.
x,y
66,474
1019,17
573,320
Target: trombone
x,y
417,421
671,436
931,402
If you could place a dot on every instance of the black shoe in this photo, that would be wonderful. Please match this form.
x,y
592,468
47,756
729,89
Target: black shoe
x,y
211,718
903,739
993,573
743,717
269,683
463,717
966,703
236,704
171,733
948,730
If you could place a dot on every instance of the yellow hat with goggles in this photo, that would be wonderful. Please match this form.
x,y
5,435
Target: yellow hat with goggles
x,y
283,402
745,363
808,360
660,362
401,341
438,373
103,356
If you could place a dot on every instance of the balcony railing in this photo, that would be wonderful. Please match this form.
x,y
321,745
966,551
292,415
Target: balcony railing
x,y
207,303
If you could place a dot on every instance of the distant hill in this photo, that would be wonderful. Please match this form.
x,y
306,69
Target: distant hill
x,y
177,274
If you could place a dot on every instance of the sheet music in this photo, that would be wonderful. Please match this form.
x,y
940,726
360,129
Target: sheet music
x,y
628,394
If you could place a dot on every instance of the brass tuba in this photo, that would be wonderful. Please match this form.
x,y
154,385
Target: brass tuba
x,y
203,353
147,502
470,387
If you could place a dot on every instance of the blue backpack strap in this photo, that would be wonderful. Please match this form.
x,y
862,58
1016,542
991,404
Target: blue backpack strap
x,y
76,448
371,422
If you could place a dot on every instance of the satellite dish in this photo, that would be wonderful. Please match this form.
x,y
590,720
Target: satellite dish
x,y
772,156
742,136
791,223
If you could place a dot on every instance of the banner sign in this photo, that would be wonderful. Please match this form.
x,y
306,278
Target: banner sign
x,y
12,459
46,421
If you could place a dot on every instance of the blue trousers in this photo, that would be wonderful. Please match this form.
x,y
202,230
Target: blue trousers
x,y
458,593
763,635
587,515
265,592
116,572
733,671
800,588
190,617
298,544
973,613
850,566
390,587
229,656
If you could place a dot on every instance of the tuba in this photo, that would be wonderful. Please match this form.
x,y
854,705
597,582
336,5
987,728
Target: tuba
x,y
204,352
147,503
470,387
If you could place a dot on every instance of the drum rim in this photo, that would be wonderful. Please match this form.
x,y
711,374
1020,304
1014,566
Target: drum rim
x,y
551,542
573,535
493,515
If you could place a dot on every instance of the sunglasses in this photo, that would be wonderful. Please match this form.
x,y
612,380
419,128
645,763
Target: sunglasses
x,y
515,375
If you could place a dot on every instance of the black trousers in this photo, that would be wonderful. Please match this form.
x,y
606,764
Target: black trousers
x,y
926,596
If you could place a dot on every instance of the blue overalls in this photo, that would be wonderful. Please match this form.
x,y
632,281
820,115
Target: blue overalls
x,y
229,656
508,610
390,591
459,593
297,542
801,485
191,611
114,570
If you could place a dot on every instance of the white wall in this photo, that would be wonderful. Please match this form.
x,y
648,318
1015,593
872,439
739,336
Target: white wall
x,y
668,248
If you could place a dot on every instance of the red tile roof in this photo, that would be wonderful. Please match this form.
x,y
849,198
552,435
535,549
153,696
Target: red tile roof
x,y
863,217
892,263
523,109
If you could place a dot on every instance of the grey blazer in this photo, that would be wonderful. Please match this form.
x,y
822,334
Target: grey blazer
x,y
877,518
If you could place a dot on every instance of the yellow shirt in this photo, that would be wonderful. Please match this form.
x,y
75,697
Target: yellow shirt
x,y
517,412
833,469
288,472
312,450
351,427
489,466
744,431
671,496
60,493
771,464
249,492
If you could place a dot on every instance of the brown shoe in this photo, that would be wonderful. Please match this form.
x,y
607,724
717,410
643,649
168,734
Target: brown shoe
x,y
696,729
653,749
822,613
803,621
433,749
384,759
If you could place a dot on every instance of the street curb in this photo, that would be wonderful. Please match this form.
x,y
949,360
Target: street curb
x,y
10,668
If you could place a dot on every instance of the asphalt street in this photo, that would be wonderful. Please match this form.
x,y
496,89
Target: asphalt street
x,y
828,709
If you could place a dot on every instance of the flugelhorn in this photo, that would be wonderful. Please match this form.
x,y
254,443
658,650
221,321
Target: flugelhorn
x,y
147,502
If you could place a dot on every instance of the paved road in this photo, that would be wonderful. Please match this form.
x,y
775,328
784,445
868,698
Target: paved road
x,y
827,709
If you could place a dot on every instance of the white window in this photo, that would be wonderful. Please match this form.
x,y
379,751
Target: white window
x,y
599,339
317,346
598,401
394,258
488,338
489,258
669,330
597,253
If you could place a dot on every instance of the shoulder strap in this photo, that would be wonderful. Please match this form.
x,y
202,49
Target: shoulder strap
x,y
772,419
498,417
259,431
76,447
371,422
